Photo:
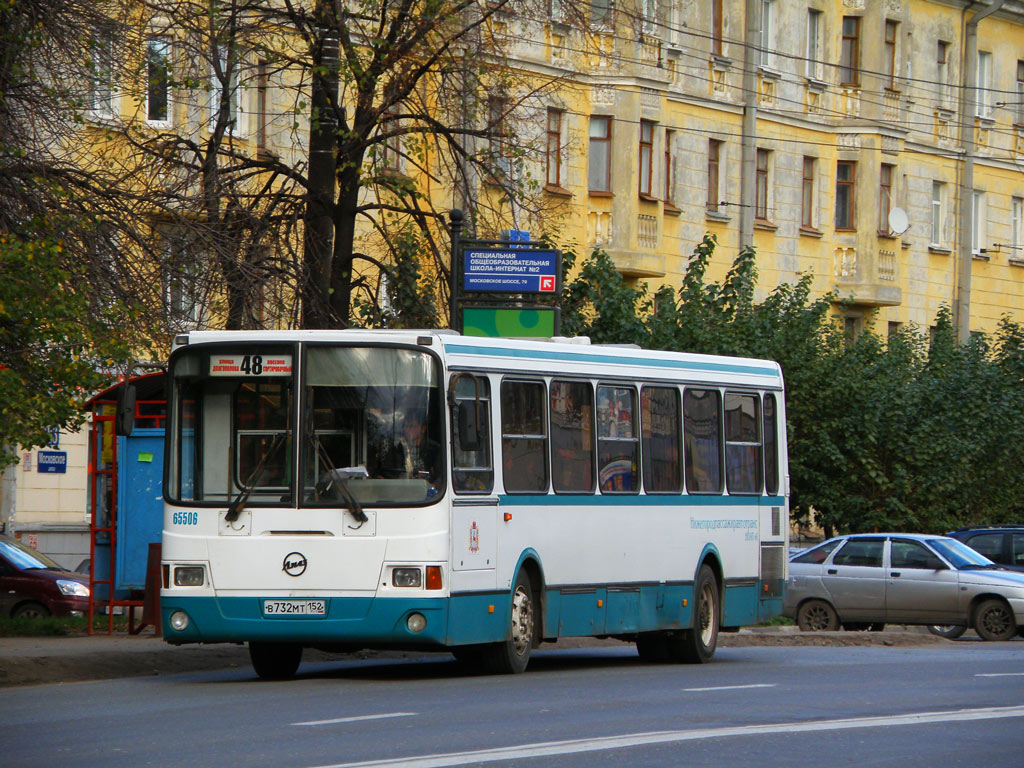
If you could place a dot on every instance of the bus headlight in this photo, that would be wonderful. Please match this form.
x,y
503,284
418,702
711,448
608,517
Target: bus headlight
x,y
407,577
178,621
188,576
416,622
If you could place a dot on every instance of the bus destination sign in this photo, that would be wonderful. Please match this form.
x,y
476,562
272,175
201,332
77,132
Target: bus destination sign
x,y
518,270
250,365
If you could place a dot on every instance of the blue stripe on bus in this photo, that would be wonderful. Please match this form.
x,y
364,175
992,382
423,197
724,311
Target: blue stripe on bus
x,y
591,357
594,500
461,619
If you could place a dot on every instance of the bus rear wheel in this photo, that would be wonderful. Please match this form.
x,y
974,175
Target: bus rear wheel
x,y
512,655
275,661
697,644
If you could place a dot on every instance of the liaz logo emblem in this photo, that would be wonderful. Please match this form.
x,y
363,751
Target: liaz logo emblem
x,y
294,564
474,537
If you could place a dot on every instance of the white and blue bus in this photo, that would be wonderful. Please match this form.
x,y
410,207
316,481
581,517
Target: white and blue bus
x,y
422,489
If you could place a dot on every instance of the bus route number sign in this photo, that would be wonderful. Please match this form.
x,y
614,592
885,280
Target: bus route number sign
x,y
251,365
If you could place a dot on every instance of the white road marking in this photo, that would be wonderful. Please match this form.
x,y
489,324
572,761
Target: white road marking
x,y
1000,674
574,746
730,687
358,718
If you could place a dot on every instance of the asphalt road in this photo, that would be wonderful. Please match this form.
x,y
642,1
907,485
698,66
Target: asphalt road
x,y
953,704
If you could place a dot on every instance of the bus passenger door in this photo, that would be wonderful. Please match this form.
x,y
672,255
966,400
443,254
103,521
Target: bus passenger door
x,y
475,505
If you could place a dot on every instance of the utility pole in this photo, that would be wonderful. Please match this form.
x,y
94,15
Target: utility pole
x,y
748,168
968,109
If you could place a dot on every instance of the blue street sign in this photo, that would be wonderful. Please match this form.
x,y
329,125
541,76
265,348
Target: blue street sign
x,y
511,271
52,462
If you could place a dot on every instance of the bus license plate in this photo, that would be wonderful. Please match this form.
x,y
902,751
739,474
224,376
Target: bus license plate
x,y
294,607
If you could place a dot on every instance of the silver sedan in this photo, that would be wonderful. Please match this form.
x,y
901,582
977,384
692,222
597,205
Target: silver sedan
x,y
867,580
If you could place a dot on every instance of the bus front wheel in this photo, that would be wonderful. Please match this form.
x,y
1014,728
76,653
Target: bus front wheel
x,y
275,661
513,654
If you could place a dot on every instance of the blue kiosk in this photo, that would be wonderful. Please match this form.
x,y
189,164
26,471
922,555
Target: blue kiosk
x,y
125,498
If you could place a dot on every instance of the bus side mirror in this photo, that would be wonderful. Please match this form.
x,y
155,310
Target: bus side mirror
x,y
124,417
469,427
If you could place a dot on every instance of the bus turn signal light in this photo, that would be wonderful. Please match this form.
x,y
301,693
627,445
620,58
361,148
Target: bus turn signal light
x,y
433,577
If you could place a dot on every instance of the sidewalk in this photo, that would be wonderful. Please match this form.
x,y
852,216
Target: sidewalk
x,y
37,660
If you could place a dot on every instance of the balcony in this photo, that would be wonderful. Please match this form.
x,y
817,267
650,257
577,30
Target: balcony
x,y
868,281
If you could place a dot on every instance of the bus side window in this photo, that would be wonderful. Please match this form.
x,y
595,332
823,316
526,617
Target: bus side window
x,y
524,439
618,445
662,440
472,470
702,432
572,436
743,458
771,446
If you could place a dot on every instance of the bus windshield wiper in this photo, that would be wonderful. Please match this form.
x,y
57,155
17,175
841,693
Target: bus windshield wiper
x,y
339,479
236,507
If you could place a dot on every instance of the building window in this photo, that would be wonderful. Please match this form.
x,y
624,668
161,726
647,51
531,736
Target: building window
x,y
938,193
814,58
942,71
884,197
224,77
845,188
849,54
670,138
983,92
807,193
978,214
553,149
599,158
714,167
501,166
891,68
650,17
101,82
391,144
761,202
600,12
158,80
1017,228
646,156
1020,93
262,105
768,33
716,27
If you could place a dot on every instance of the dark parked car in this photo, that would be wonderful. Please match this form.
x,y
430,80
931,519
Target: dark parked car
x,y
1002,544
32,585
904,578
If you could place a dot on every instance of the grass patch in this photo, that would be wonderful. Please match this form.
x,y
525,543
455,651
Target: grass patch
x,y
52,626
778,621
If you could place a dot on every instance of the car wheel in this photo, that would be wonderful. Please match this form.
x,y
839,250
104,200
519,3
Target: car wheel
x,y
275,661
817,616
994,621
30,611
512,655
948,631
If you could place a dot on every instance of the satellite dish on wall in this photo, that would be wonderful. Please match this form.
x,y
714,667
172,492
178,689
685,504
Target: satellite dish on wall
x,y
898,221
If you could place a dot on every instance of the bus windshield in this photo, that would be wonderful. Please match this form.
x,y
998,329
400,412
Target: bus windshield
x,y
364,430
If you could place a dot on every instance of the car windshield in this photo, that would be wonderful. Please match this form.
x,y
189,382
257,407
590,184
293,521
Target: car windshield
x,y
959,554
25,558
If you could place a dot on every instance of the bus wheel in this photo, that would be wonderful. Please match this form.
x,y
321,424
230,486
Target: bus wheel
x,y
697,645
513,654
275,661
